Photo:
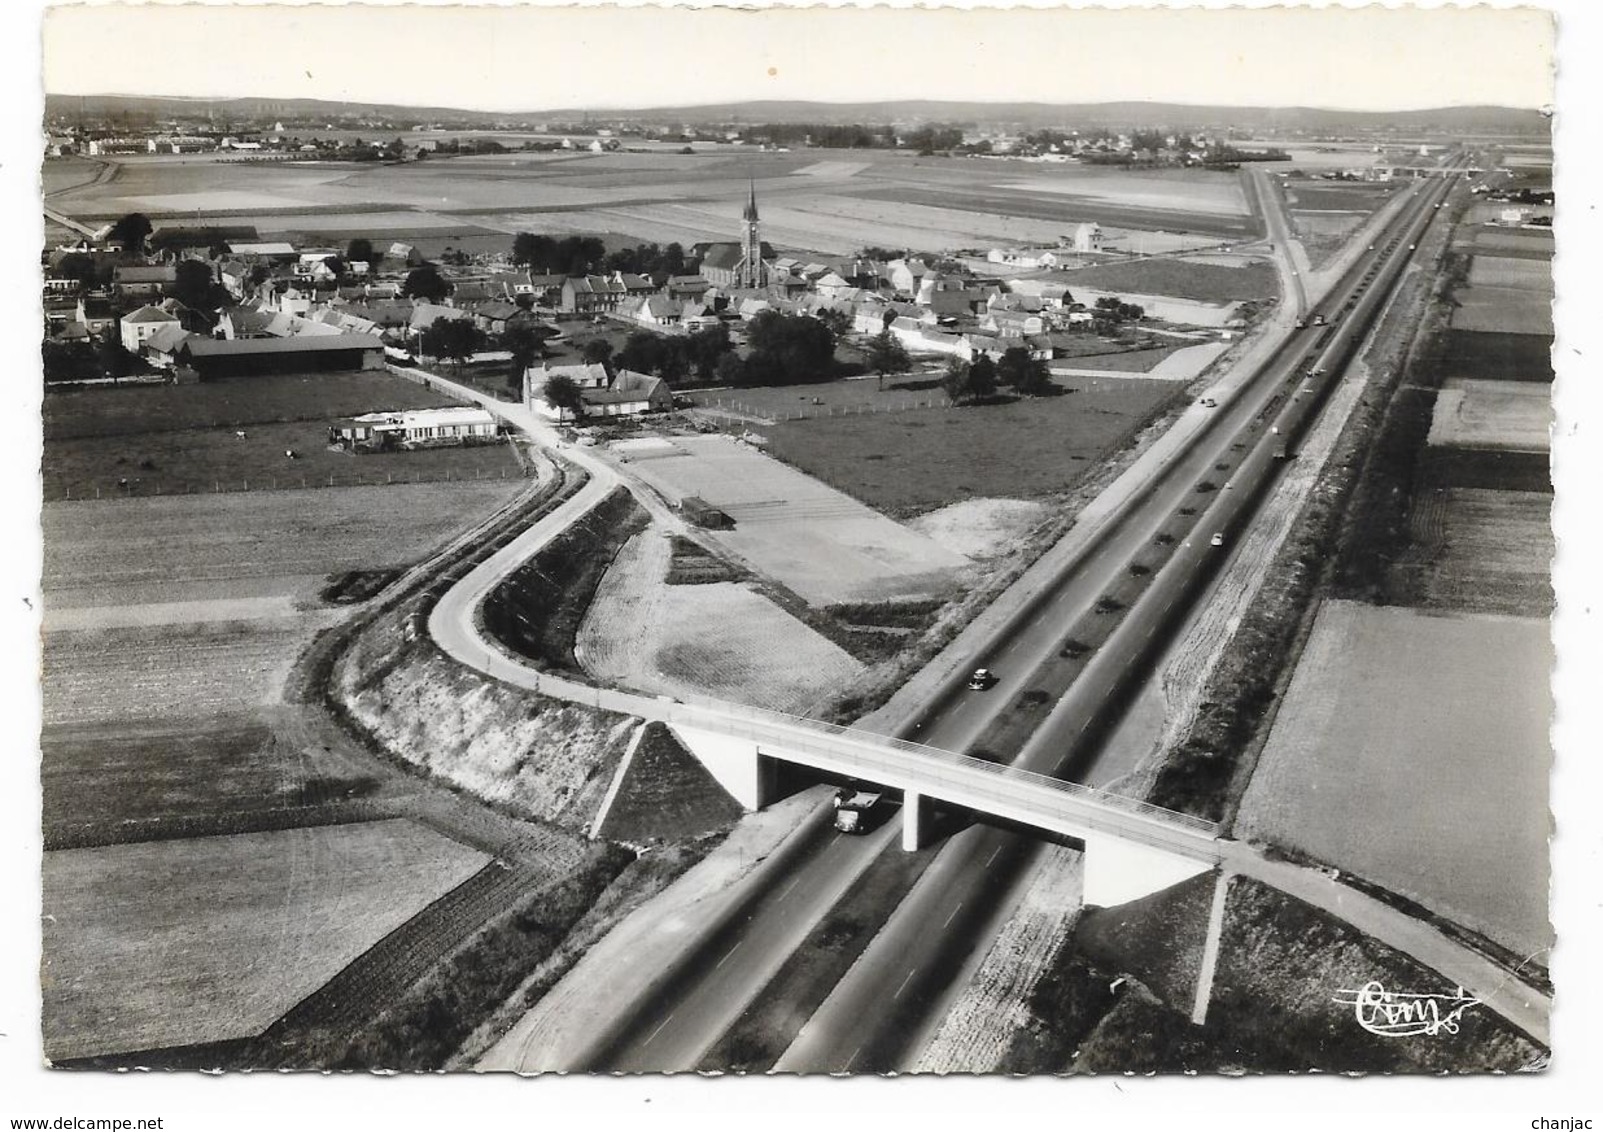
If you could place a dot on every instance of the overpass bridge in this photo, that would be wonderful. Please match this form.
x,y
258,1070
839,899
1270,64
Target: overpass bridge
x,y
1132,848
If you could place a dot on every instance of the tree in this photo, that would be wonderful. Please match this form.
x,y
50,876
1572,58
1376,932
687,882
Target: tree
x,y
642,351
426,283
955,381
70,361
562,392
360,250
886,354
194,286
525,342
454,338
730,370
1026,373
77,265
790,349
838,322
597,351
131,231
706,349
981,377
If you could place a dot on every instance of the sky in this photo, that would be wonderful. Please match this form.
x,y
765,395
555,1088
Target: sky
x,y
537,58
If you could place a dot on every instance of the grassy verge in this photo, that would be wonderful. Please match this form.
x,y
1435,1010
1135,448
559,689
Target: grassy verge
x,y
537,611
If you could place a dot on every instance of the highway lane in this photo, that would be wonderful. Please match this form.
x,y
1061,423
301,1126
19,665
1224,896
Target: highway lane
x,y
854,1029
955,721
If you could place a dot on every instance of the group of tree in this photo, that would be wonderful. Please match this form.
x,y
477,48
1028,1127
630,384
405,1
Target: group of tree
x,y
674,358
649,259
978,381
547,255
457,339
785,350
1113,309
425,282
196,287
933,138
822,135
131,232
886,355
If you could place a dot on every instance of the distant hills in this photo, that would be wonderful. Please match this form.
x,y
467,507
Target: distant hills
x,y
1022,115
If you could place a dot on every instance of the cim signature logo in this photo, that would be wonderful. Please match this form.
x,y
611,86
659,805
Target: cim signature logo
x,y
1395,1014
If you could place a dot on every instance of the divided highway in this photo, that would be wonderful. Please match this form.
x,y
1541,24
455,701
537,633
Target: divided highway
x,y
927,937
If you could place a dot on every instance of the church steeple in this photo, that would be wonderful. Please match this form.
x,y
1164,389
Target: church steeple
x,y
752,273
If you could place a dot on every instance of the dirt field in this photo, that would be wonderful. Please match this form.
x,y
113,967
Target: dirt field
x,y
1202,282
1412,750
810,537
1501,357
908,463
982,528
723,639
176,548
1515,415
176,942
169,439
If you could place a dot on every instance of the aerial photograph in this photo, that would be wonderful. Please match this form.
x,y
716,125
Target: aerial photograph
x,y
679,553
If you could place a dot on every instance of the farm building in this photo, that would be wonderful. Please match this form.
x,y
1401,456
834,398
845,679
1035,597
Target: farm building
x,y
628,394
417,428
305,353
698,511
137,281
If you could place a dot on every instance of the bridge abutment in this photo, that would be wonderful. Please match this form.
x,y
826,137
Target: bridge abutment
x,y
915,821
1118,871
739,767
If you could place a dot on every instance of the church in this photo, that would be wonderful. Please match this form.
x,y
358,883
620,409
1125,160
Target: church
x,y
744,264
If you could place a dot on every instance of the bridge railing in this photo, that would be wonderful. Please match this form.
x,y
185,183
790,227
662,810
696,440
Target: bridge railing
x,y
871,750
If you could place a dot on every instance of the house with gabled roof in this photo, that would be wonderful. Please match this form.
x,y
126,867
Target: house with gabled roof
x,y
138,325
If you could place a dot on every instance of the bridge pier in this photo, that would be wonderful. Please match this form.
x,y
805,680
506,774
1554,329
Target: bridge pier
x,y
915,821
750,776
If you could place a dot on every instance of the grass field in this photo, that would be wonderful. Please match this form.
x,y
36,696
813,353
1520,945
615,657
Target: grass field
x,y
1202,282
1500,356
177,942
175,440
1493,414
1412,750
907,463
1504,271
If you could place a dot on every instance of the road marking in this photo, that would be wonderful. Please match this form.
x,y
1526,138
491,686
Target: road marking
x,y
992,857
790,886
953,916
903,987
727,954
658,1030
852,1058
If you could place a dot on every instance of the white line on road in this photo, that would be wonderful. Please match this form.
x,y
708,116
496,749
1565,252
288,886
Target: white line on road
x,y
903,987
787,889
992,857
727,954
953,916
658,1030
850,1060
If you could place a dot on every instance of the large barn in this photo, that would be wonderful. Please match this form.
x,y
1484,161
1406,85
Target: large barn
x,y
310,353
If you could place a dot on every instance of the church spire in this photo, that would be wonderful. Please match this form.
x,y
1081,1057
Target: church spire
x,y
752,272
750,215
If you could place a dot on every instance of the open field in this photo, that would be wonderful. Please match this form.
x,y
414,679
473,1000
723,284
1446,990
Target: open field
x,y
722,639
191,548
1472,413
1202,282
982,528
1412,750
808,536
184,670
1483,550
1520,243
1500,356
1505,271
178,942
123,781
908,463
231,403
883,198
1503,310
175,440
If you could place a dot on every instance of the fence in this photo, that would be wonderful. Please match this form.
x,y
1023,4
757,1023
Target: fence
x,y
815,412
138,488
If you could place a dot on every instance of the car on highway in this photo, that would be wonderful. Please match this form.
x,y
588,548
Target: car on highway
x,y
981,679
1218,539
1208,403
